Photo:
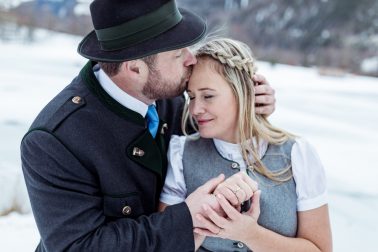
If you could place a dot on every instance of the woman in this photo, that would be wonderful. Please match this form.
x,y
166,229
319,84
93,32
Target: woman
x,y
289,212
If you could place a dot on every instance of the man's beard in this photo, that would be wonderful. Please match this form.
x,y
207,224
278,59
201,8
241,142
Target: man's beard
x,y
158,88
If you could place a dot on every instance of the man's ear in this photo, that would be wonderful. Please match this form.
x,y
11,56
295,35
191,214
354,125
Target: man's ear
x,y
135,67
132,67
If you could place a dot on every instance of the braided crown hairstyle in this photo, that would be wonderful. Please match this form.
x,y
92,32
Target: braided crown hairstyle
x,y
233,60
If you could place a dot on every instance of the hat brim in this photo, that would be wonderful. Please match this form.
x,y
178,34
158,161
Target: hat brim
x,y
186,33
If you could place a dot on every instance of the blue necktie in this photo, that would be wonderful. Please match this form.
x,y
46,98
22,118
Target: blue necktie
x,y
152,120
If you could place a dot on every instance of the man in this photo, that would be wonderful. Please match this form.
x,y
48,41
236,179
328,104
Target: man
x,y
93,165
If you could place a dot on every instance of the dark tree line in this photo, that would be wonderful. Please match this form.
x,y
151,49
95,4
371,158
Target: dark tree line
x,y
329,33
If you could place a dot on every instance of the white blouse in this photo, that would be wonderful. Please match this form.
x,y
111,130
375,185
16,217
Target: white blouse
x,y
308,171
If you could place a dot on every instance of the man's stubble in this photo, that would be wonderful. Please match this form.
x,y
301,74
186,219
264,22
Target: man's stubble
x,y
158,87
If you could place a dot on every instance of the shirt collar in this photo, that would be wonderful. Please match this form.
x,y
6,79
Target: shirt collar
x,y
233,151
118,94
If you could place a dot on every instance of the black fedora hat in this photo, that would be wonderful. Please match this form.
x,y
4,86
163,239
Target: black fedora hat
x,y
132,29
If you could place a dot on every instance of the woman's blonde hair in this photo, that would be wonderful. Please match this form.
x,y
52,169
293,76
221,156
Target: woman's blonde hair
x,y
234,61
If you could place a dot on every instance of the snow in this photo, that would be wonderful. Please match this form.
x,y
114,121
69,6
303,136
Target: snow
x,y
338,115
370,65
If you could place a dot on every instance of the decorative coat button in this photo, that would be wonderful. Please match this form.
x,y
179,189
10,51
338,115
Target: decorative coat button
x,y
164,128
234,165
138,152
76,99
240,245
126,210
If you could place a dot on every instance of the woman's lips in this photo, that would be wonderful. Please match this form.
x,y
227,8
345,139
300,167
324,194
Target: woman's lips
x,y
203,121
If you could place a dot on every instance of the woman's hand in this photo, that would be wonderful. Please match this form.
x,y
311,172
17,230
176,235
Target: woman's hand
x,y
237,188
236,226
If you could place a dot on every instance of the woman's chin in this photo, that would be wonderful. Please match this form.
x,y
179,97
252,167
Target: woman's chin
x,y
206,134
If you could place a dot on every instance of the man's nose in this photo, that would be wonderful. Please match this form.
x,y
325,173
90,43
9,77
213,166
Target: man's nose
x,y
190,59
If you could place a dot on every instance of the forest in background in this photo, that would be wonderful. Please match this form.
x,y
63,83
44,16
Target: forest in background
x,y
337,36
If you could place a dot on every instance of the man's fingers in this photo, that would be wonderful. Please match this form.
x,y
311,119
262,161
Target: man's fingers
x,y
259,79
265,99
264,89
210,185
204,232
265,110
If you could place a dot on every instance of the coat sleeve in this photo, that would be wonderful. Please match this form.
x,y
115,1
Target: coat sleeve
x,y
68,209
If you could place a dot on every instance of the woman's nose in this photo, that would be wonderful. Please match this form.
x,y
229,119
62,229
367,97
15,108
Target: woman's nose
x,y
195,108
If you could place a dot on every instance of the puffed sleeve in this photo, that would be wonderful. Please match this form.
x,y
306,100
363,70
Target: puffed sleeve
x,y
309,176
174,190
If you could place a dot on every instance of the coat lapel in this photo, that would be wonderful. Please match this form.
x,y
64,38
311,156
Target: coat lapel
x,y
145,151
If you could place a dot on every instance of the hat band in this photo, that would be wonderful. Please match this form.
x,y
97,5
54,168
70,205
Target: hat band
x,y
139,29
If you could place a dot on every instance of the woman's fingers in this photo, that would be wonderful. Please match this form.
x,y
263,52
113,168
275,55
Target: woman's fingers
x,y
205,223
254,211
237,188
227,191
230,211
214,217
245,191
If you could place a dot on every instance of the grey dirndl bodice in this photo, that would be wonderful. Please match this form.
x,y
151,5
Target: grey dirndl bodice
x,y
278,202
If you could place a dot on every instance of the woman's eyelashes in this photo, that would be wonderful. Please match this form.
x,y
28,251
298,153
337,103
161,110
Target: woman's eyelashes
x,y
205,97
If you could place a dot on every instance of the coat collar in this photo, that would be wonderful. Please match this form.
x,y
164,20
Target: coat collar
x,y
92,83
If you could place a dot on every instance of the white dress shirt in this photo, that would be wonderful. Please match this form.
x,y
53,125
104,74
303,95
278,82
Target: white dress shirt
x,y
119,95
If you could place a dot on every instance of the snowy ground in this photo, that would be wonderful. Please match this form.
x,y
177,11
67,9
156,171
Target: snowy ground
x,y
339,115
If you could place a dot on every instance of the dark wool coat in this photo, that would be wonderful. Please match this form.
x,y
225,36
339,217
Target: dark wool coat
x,y
94,174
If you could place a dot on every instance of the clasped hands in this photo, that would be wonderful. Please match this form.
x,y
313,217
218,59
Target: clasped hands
x,y
215,206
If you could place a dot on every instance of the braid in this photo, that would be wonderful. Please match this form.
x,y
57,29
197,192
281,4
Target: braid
x,y
235,62
232,58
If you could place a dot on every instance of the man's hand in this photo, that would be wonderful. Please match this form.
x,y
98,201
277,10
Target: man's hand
x,y
264,96
203,195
